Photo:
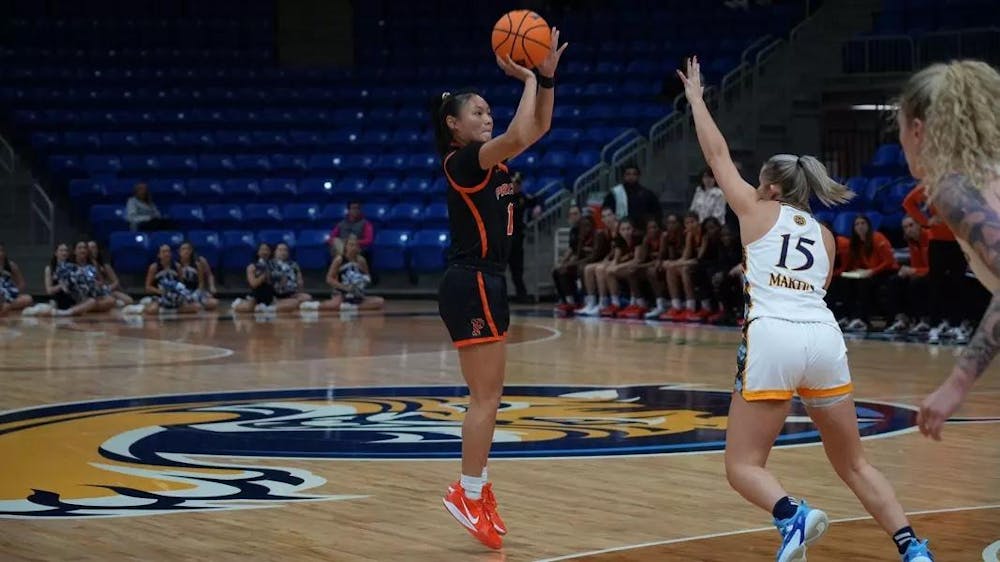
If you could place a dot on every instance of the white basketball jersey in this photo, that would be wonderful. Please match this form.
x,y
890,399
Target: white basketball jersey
x,y
786,270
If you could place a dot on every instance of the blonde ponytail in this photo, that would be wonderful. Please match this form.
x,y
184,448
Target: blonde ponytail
x,y
801,177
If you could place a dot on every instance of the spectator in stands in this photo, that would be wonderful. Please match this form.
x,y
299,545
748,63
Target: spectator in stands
x,y
725,275
835,295
196,275
286,276
349,277
108,276
680,281
142,214
354,224
607,280
671,249
908,287
11,285
870,263
708,200
630,199
577,256
946,274
601,257
634,272
522,202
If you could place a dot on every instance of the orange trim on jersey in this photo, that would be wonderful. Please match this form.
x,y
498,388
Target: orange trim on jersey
x,y
476,341
479,223
459,188
503,167
486,304
753,395
825,392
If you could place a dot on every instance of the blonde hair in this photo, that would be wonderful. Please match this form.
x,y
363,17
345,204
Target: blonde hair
x,y
801,177
957,103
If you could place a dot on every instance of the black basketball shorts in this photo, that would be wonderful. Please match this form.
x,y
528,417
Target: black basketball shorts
x,y
473,305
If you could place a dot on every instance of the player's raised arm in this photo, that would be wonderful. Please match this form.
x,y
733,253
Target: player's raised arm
x,y
739,194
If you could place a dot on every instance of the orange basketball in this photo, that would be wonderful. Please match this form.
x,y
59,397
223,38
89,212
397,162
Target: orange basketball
x,y
524,36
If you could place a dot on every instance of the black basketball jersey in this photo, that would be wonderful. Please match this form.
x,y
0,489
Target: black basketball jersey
x,y
480,208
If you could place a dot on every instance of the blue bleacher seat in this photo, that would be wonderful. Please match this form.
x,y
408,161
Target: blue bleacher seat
x,y
428,250
436,215
262,215
405,215
186,216
228,216
171,238
278,190
238,249
333,213
389,250
130,251
86,192
376,212
242,190
275,236
207,244
313,249
167,191
302,215
205,190
101,165
104,219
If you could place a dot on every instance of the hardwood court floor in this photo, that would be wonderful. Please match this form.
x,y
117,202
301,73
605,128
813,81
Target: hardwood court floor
x,y
347,472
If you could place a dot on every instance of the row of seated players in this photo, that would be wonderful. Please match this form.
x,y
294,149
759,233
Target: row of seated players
x,y
82,281
687,264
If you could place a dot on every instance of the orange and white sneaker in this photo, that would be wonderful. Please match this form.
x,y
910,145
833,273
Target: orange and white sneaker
x,y
490,505
473,515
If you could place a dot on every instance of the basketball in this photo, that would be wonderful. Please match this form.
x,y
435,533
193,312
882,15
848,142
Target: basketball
x,y
523,36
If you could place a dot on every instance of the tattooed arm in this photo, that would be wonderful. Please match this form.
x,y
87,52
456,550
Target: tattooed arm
x,y
975,221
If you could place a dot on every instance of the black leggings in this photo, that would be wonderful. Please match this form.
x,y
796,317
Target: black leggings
x,y
946,279
860,294
565,281
907,295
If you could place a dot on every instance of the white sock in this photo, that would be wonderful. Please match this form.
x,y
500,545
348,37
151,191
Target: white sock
x,y
473,486
591,300
571,300
616,301
484,476
677,304
641,303
604,302
706,304
633,301
691,304
661,303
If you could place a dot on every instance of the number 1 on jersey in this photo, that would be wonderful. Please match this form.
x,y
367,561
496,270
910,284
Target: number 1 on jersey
x,y
510,219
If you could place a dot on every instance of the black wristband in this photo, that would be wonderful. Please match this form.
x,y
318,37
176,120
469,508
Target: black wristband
x,y
547,82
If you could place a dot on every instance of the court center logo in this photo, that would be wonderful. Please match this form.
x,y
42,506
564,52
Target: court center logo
x,y
183,453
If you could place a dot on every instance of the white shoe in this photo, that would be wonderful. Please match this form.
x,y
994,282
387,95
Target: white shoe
x,y
843,322
236,302
145,300
961,333
921,328
935,333
134,309
348,306
592,310
800,531
898,327
857,325
309,305
655,313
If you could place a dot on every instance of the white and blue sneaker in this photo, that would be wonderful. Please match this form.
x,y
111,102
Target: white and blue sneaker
x,y
799,531
917,551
